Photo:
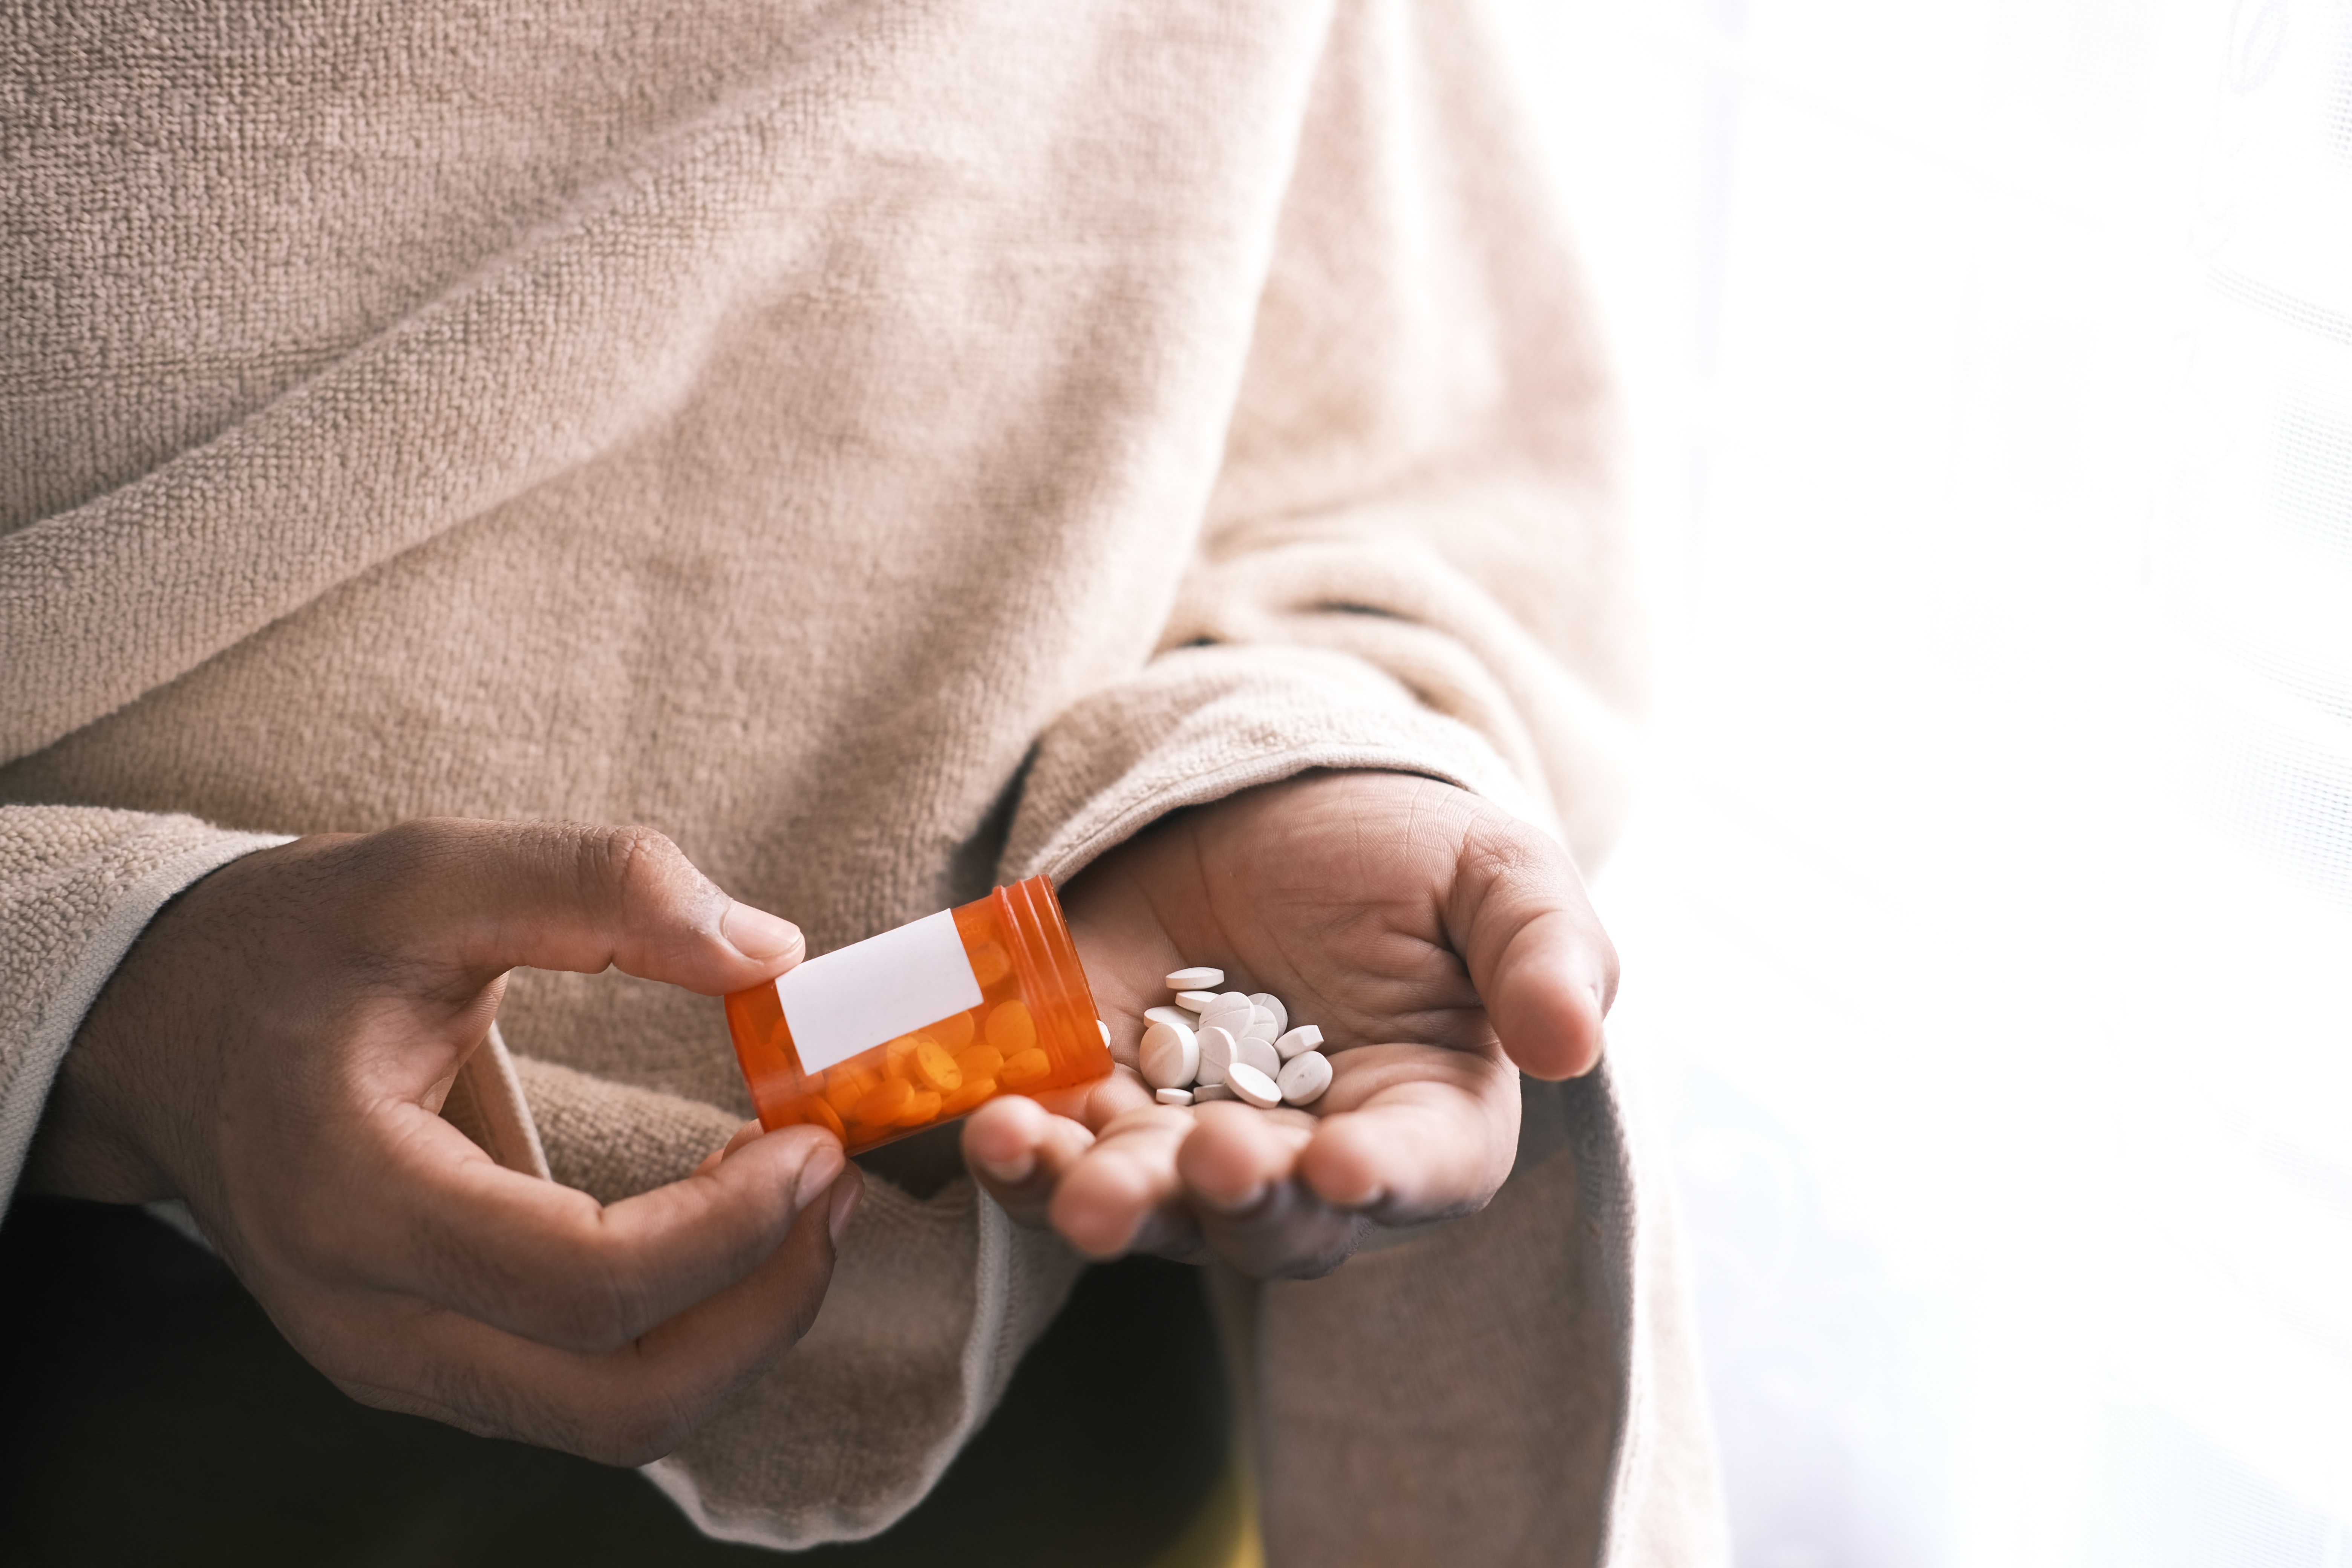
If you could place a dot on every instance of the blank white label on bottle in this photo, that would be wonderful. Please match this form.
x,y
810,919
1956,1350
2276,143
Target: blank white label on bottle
x,y
856,997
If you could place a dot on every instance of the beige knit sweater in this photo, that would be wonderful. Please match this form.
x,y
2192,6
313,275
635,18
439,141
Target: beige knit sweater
x,y
891,446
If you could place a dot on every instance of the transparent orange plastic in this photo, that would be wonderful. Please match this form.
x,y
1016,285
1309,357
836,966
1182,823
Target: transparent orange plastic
x,y
1034,1029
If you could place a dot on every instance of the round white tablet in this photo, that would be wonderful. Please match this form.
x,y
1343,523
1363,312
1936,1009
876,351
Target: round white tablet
x,y
1272,1004
1264,1025
1306,1038
1305,1077
1168,1015
1198,1000
1230,1011
1257,1053
1252,1086
1201,979
1171,1056
1216,1052
1106,1030
1172,1096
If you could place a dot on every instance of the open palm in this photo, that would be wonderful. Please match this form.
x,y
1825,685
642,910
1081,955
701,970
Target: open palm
x,y
1441,944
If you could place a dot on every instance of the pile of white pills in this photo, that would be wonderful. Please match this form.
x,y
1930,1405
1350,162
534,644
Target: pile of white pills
x,y
1222,1045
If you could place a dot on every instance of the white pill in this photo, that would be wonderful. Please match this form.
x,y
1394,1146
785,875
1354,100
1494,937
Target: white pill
x,y
1258,1054
1196,980
1230,1011
1252,1086
1209,1092
1106,1030
1305,1077
1172,1096
1171,1056
1306,1038
1197,1000
1272,1004
1170,1016
1263,1026
1216,1052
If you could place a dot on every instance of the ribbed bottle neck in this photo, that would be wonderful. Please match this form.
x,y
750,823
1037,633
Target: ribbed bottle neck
x,y
1046,961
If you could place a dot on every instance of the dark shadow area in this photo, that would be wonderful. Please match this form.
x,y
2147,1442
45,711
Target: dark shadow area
x,y
152,1414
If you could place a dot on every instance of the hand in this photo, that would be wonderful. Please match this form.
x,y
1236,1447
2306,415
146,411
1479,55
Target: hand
x,y
274,1047
1439,942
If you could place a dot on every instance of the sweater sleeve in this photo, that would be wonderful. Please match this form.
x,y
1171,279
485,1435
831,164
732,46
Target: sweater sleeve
x,y
1411,559
78,884
77,887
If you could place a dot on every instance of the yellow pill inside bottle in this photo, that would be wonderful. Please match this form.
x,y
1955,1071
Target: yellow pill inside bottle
x,y
934,1068
1010,1029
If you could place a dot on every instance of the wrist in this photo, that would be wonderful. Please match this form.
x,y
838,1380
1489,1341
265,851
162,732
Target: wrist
x,y
96,1137
77,1151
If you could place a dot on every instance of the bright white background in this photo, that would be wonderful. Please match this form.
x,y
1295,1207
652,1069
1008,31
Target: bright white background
x,y
1989,927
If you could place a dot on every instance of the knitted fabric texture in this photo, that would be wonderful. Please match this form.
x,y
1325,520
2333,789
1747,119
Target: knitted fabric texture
x,y
890,448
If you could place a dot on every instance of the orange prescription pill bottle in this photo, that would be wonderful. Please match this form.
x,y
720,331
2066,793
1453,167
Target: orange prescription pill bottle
x,y
917,1026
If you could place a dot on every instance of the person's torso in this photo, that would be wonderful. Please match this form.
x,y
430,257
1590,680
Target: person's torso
x,y
869,367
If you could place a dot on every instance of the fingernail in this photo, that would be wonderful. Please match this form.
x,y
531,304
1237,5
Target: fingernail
x,y
759,935
846,1196
817,1174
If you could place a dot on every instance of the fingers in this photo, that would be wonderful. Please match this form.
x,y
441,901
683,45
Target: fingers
x,y
1417,1153
742,1135
1238,1153
626,1405
1289,1196
548,1263
1240,1167
1126,1194
1019,1152
1107,1195
560,895
1417,1134
1536,951
1292,1234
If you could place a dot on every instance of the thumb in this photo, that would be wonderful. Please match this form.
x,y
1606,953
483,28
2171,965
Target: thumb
x,y
1543,967
497,895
